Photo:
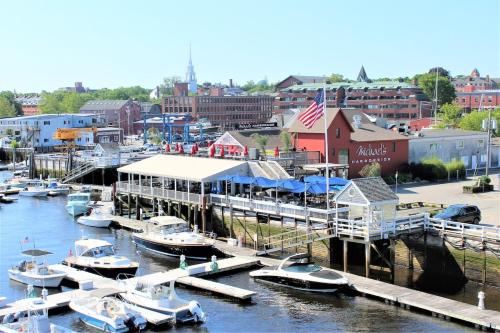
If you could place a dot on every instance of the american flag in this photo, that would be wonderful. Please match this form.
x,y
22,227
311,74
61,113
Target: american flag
x,y
313,112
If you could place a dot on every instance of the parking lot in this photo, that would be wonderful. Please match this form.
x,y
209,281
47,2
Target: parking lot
x,y
451,193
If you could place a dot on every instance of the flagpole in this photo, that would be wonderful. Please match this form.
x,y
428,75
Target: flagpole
x,y
327,171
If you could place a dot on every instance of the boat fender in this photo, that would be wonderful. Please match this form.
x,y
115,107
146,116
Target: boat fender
x,y
8,319
196,311
19,315
183,264
214,266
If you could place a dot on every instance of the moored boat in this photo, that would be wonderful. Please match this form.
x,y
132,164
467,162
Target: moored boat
x,y
171,236
96,219
99,257
162,299
107,314
78,203
36,191
36,271
298,272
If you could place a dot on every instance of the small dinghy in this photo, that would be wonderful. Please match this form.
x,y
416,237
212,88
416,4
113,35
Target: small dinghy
x,y
107,314
162,299
36,272
96,219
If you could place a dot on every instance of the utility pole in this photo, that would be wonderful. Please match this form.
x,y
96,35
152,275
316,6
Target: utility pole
x,y
488,142
436,96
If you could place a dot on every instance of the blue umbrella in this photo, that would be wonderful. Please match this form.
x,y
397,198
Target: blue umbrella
x,y
292,185
265,182
226,177
246,180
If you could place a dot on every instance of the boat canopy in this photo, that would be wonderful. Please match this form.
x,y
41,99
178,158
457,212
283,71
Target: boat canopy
x,y
83,245
36,253
167,220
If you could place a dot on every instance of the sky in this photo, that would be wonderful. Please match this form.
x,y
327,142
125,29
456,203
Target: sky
x,y
111,43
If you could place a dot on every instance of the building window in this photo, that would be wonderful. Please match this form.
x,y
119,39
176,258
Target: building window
x,y
46,122
45,140
433,147
393,146
460,144
337,133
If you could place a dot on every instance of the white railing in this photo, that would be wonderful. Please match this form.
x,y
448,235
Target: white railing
x,y
273,207
158,192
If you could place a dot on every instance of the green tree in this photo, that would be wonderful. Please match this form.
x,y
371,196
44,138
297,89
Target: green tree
x,y
336,78
261,141
51,102
167,87
252,87
446,91
451,113
473,121
72,102
9,95
154,135
286,140
7,109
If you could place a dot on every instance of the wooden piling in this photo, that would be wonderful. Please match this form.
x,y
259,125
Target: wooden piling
x,y
345,254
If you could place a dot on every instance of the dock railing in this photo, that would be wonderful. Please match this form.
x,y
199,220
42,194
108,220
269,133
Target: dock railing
x,y
157,192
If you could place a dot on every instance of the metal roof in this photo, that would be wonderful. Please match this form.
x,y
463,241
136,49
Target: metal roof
x,y
198,169
353,85
444,132
95,105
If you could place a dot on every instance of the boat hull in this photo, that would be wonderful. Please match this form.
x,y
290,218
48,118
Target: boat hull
x,y
109,272
76,209
301,284
47,281
182,315
98,223
195,251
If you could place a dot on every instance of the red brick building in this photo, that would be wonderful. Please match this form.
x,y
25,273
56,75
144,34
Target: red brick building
x,y
223,111
487,99
474,82
29,105
356,143
392,99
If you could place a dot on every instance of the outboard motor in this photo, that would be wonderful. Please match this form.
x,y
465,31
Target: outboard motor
x,y
19,315
197,313
135,322
8,319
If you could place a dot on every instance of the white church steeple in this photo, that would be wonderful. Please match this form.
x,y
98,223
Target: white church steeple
x,y
191,76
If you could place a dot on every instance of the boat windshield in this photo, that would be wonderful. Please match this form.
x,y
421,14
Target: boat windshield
x,y
78,198
101,251
302,268
173,228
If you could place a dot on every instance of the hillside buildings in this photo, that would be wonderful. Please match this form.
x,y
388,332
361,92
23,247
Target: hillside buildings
x,y
115,113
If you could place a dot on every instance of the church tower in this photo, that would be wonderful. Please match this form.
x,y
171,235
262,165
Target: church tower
x,y
191,76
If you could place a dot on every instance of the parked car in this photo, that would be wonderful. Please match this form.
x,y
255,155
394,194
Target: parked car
x,y
461,213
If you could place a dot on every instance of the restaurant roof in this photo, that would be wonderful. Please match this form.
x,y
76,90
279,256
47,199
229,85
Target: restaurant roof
x,y
198,169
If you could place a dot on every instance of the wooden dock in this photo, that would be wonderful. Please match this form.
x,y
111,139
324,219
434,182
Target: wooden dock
x,y
437,306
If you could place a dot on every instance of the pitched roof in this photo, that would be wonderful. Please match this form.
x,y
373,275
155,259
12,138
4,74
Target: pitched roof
x,y
371,132
375,189
196,169
319,127
362,77
99,105
244,137
305,79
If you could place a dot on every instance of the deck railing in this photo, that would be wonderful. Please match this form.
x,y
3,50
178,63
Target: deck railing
x,y
158,192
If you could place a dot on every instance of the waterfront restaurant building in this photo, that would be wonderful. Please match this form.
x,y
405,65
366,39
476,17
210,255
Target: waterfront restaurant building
x,y
354,140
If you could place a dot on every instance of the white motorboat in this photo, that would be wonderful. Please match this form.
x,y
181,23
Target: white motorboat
x,y
98,256
78,203
3,300
7,189
36,191
171,236
35,320
35,271
107,314
96,219
58,189
162,299
302,275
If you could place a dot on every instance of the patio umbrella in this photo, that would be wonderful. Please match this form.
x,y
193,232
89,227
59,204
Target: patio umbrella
x,y
177,146
245,151
212,151
222,152
193,150
196,146
264,182
181,149
167,148
276,152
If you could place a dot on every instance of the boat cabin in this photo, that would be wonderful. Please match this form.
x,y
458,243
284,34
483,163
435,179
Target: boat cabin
x,y
79,197
170,224
94,248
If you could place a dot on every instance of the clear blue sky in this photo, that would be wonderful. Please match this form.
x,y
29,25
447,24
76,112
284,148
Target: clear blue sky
x,y
111,43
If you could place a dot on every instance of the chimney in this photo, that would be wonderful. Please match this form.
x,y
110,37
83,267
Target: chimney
x,y
230,83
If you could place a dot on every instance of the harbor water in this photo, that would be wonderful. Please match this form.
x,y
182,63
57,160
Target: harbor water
x,y
43,223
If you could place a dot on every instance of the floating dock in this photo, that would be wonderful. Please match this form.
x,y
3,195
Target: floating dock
x,y
101,286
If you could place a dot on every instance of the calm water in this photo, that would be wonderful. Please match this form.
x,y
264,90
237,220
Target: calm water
x,y
46,224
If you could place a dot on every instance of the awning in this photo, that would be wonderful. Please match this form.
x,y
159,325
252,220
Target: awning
x,y
246,180
36,253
